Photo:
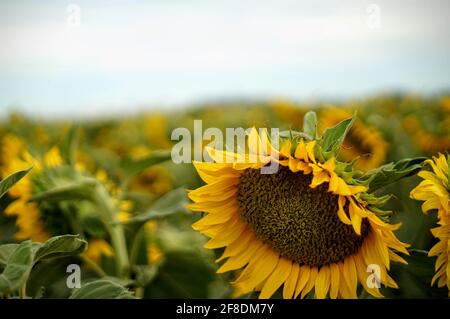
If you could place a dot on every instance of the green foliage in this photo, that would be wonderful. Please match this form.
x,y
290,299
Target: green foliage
x,y
392,172
133,167
11,180
332,139
18,259
310,124
169,204
102,289
17,269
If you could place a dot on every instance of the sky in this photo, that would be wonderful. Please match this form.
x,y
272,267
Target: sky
x,y
84,58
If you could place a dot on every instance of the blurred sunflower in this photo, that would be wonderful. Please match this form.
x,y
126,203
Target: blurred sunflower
x,y
362,142
14,157
305,226
434,190
156,131
98,248
154,253
289,113
155,180
433,138
33,221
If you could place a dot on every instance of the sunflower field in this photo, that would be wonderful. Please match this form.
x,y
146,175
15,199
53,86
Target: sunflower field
x,y
358,208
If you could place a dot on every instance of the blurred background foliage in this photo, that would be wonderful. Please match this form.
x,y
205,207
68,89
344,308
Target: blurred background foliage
x,y
166,256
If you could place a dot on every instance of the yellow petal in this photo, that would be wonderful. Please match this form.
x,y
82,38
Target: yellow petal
x,y
322,282
291,282
334,282
311,281
277,278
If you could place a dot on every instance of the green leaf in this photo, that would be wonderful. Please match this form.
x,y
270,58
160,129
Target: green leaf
x,y
17,269
102,289
133,167
310,124
184,274
332,138
291,134
392,172
5,252
12,179
414,279
168,204
73,191
70,145
60,246
145,274
93,226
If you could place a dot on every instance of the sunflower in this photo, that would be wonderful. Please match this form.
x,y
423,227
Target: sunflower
x,y
288,112
304,227
363,142
156,131
33,221
14,157
97,249
434,191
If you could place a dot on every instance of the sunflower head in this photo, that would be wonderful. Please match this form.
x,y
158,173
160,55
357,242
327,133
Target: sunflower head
x,y
434,191
35,200
312,225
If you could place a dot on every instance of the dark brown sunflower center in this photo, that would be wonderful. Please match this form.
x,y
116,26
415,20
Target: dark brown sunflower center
x,y
299,222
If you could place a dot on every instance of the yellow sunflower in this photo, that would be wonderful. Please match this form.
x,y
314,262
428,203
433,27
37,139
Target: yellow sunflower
x,y
288,112
303,227
14,157
98,248
434,190
363,142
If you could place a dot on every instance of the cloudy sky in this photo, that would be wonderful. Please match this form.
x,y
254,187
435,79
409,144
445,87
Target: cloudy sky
x,y
91,57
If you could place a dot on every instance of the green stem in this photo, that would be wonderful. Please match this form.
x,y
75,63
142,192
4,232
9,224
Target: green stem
x,y
23,291
115,230
139,292
98,270
136,246
120,247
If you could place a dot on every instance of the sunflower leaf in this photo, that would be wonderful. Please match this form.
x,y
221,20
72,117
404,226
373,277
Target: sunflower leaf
x,y
145,274
310,124
11,180
168,204
17,269
72,191
133,167
332,139
70,145
59,247
6,251
293,135
392,172
102,289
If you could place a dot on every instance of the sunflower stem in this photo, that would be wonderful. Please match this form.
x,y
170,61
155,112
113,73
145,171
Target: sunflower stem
x,y
108,213
136,246
96,268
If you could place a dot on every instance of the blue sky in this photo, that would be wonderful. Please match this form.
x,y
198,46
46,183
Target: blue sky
x,y
127,56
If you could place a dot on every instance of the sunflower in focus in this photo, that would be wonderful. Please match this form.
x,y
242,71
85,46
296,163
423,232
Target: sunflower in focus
x,y
363,142
434,191
307,227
